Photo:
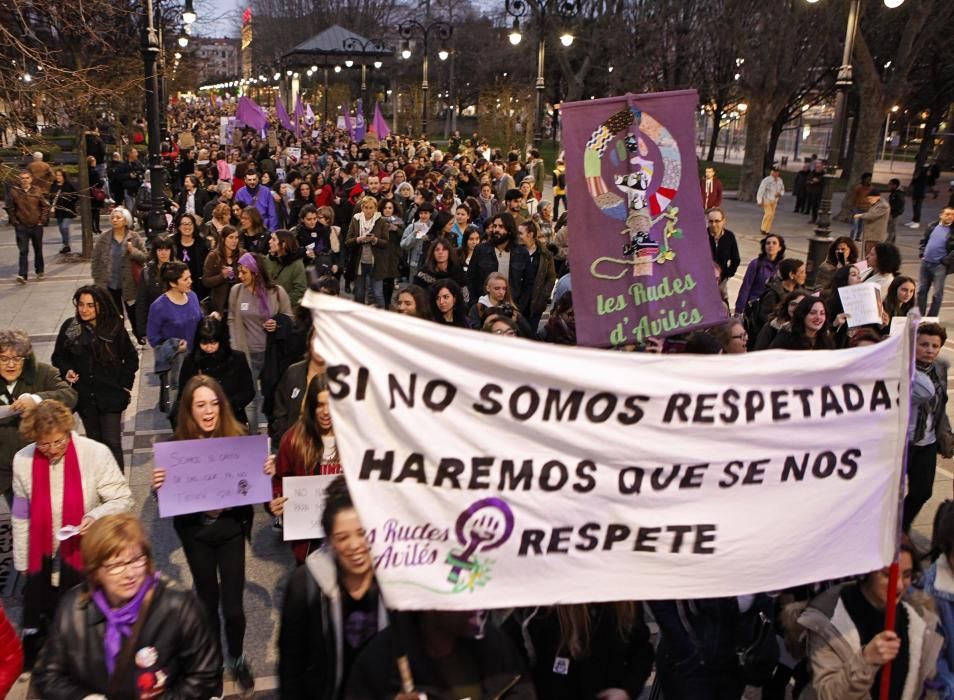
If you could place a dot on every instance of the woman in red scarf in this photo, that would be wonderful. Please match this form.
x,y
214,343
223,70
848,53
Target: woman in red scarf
x,y
62,482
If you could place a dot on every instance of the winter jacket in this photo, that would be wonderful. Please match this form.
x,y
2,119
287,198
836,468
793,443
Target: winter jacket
x,y
374,674
102,388
725,251
229,368
311,639
27,207
288,271
757,274
288,398
876,222
216,284
194,256
63,199
11,655
151,287
39,379
542,284
102,262
484,261
72,665
896,202
105,490
949,258
839,670
263,201
938,582
380,249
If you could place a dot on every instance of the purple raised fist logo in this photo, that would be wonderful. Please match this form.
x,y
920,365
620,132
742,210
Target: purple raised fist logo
x,y
484,526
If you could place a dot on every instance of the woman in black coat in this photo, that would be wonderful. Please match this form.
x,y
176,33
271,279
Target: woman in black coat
x,y
64,200
94,354
213,356
152,285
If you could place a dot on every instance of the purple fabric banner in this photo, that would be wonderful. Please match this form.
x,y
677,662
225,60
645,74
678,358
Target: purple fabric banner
x,y
359,127
299,116
638,243
282,115
250,114
347,121
379,126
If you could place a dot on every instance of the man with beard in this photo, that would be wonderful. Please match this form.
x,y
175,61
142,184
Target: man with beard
x,y
500,253
261,197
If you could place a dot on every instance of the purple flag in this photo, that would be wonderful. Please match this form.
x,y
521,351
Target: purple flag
x,y
309,116
643,266
347,122
359,126
250,114
379,126
282,114
299,116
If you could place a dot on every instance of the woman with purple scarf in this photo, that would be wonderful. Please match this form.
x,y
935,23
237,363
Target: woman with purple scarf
x,y
254,307
127,633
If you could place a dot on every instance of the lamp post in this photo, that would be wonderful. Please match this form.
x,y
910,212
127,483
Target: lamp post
x,y
565,10
353,43
443,31
818,245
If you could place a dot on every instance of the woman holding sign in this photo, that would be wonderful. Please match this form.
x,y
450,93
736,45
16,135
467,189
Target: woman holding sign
x,y
307,449
129,633
214,541
62,482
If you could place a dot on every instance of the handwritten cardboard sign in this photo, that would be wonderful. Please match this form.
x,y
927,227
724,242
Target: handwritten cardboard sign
x,y
862,304
212,473
306,503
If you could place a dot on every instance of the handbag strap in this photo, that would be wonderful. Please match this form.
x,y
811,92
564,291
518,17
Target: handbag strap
x,y
114,687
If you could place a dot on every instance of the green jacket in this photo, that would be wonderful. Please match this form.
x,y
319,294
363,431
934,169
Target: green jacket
x,y
289,273
37,378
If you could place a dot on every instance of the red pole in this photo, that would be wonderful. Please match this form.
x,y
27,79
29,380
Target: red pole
x,y
889,615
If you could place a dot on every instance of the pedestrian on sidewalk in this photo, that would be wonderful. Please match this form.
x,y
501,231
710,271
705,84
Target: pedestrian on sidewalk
x,y
918,188
770,192
859,205
937,259
813,189
800,189
896,204
874,220
117,262
711,190
63,199
724,248
29,211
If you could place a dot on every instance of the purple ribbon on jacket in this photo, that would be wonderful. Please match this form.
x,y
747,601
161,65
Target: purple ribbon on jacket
x,y
119,621
249,263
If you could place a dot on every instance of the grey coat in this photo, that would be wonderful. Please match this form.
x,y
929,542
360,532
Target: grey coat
x,y
102,262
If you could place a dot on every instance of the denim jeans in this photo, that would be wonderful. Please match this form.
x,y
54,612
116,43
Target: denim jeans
x,y
857,225
931,278
363,280
64,225
254,409
27,235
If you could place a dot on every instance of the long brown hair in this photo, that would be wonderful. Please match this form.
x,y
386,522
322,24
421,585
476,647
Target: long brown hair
x,y
576,624
186,427
305,438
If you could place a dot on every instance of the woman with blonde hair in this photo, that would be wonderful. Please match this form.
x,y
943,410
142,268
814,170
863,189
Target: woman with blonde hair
x,y
368,239
62,483
212,229
128,632
214,541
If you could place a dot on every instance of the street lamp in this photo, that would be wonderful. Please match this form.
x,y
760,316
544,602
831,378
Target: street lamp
x,y
188,12
566,10
515,36
443,54
183,40
442,31
353,43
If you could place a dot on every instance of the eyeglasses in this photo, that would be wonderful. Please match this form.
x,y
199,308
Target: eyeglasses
x,y
716,221
119,567
55,445
12,361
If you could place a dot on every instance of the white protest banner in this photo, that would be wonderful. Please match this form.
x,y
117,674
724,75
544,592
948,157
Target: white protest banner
x,y
897,323
212,473
861,303
491,471
305,504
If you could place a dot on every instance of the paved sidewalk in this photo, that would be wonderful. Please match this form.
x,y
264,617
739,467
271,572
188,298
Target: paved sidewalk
x,y
40,307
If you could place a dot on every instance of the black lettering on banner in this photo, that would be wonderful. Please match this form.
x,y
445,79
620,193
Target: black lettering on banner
x,y
730,399
678,533
413,469
480,472
559,540
531,539
824,465
570,408
635,411
450,391
678,403
755,474
731,477
489,406
705,404
362,388
880,397
394,387
630,480
792,468
849,466
854,397
692,479
337,387
590,541
584,474
754,403
384,465
829,402
449,469
511,480
646,538
562,475
704,535
779,405
518,394
804,395
595,413
615,533
660,480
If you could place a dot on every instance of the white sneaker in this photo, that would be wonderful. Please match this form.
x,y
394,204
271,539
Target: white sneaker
x,y
913,224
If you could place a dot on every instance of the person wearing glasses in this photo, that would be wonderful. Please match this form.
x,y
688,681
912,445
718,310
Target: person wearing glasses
x,y
724,247
24,383
128,632
62,483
